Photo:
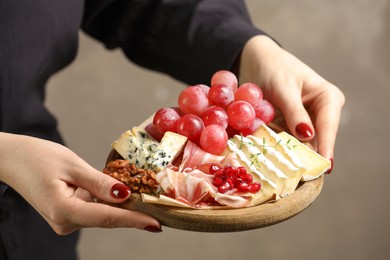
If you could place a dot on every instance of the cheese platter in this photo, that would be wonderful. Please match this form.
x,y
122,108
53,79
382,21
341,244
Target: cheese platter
x,y
186,168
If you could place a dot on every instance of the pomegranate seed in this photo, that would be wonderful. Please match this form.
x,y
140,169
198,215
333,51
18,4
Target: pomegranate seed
x,y
219,173
241,170
214,168
243,187
254,187
230,170
237,181
230,180
224,187
230,175
217,181
247,178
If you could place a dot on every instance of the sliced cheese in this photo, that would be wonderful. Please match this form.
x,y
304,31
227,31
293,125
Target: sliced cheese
x,y
268,189
163,200
315,163
281,152
271,138
262,163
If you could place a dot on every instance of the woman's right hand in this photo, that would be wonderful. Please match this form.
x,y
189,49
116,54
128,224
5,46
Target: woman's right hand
x,y
62,187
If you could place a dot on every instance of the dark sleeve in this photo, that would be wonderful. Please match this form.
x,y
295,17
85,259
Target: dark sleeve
x,y
3,187
187,39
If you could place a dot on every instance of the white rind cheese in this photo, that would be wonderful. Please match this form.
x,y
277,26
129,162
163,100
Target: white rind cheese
x,y
273,139
316,165
262,163
268,189
279,160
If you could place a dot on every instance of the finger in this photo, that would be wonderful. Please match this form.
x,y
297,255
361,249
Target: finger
x,y
80,214
91,214
297,118
101,185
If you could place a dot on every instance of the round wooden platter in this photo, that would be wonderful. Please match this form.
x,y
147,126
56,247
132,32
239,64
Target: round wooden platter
x,y
231,220
227,219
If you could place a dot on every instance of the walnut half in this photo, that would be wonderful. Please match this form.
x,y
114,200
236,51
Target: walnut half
x,y
139,180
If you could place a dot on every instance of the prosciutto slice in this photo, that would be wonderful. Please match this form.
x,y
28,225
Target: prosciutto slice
x,y
193,156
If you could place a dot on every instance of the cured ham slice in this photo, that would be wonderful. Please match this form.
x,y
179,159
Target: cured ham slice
x,y
193,156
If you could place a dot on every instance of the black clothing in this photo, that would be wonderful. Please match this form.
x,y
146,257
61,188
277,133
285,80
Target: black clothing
x,y
187,39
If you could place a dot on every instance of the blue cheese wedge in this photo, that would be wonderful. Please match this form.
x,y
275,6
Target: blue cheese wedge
x,y
133,149
148,142
141,149
166,152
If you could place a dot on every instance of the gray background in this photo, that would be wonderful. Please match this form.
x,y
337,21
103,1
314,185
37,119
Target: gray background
x,y
102,94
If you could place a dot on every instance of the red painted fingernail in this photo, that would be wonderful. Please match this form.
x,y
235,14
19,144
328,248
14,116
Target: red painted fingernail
x,y
331,166
153,229
303,130
120,191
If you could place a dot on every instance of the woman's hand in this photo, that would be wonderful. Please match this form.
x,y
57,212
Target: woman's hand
x,y
310,105
62,187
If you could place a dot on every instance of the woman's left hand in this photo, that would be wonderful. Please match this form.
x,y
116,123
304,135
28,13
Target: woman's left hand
x,y
310,105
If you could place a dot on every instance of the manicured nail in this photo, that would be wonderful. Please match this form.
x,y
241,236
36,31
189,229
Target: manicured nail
x,y
303,130
331,166
120,191
153,229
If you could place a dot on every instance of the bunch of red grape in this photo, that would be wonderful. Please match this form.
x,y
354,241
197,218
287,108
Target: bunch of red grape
x,y
209,116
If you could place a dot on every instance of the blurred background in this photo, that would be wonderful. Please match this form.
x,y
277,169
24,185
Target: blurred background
x,y
345,41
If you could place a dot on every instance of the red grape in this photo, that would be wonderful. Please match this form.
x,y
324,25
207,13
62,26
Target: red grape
x,y
152,130
225,77
178,110
215,116
190,126
193,100
205,88
220,95
250,93
213,139
265,111
231,131
241,115
166,119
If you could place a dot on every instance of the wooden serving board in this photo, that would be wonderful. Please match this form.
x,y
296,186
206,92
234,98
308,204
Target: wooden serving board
x,y
231,220
227,219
